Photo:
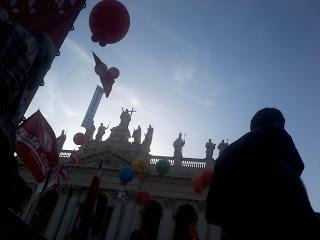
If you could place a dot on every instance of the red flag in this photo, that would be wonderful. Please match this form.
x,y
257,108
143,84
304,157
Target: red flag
x,y
37,145
102,71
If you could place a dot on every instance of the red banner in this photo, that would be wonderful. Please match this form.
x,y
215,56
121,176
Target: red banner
x,y
54,17
37,145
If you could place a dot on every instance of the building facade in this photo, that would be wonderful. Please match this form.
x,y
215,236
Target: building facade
x,y
173,204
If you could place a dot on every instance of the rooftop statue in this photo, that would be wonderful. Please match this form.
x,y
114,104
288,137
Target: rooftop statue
x,y
125,118
60,140
178,144
137,135
222,146
148,139
209,149
121,133
101,131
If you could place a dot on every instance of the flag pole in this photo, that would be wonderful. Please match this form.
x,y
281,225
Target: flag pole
x,y
36,198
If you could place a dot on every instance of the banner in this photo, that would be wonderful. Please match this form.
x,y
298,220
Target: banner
x,y
37,145
92,109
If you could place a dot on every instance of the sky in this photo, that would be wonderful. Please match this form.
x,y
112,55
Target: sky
x,y
202,68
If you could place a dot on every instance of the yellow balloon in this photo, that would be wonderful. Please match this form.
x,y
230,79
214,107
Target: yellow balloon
x,y
138,166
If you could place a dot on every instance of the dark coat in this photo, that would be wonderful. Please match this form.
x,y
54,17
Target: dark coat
x,y
257,189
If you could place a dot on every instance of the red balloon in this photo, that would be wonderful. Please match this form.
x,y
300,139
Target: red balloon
x,y
197,184
114,72
206,177
109,22
79,138
143,198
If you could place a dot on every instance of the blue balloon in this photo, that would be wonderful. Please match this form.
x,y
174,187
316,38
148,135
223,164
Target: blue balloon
x,y
125,174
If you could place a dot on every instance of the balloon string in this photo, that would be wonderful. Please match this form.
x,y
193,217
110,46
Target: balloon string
x,y
59,84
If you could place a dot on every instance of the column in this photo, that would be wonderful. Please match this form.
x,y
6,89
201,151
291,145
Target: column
x,y
81,195
126,220
136,218
202,223
166,226
67,218
56,215
214,232
115,220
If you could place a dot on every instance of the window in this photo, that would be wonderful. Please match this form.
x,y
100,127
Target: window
x,y
151,216
185,220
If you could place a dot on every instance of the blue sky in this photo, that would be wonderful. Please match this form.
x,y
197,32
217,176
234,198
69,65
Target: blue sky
x,y
199,67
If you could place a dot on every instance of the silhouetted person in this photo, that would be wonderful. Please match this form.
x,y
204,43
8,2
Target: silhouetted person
x,y
257,192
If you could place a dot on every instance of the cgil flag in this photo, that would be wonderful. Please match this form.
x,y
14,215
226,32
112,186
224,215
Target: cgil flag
x,y
37,145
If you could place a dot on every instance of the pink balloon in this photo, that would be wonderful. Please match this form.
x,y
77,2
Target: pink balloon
x,y
79,138
114,72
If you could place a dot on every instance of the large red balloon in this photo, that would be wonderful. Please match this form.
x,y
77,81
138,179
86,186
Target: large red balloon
x,y
79,138
143,198
109,22
206,177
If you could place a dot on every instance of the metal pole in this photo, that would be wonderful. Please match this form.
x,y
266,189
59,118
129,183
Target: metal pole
x,y
35,199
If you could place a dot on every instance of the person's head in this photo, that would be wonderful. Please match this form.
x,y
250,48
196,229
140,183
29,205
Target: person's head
x,y
101,124
267,118
210,140
180,135
222,140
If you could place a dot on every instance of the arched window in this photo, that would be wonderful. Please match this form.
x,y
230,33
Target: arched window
x,y
185,220
44,210
151,215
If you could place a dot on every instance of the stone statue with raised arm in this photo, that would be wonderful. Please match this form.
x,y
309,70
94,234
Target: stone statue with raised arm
x,y
101,131
178,145
137,135
125,118
121,133
209,149
222,146
60,141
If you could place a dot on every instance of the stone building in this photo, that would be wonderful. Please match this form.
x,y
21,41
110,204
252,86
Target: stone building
x,y
56,214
